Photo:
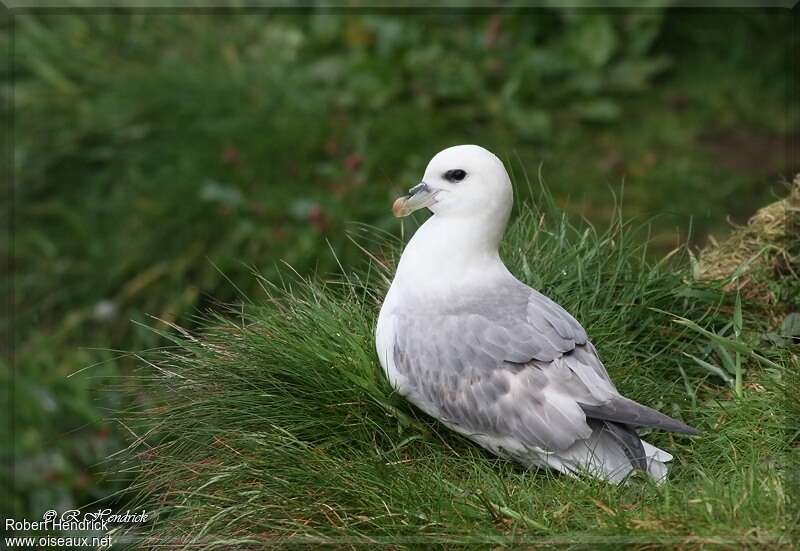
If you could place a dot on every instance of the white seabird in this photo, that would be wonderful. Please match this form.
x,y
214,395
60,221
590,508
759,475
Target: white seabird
x,y
465,341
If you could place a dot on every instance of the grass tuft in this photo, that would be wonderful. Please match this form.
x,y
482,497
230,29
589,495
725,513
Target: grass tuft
x,y
761,258
275,425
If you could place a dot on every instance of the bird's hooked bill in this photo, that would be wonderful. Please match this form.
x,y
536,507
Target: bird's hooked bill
x,y
418,197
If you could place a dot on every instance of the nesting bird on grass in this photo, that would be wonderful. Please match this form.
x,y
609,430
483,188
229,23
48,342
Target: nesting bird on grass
x,y
493,359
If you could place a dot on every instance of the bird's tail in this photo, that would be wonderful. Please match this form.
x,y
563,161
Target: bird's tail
x,y
604,456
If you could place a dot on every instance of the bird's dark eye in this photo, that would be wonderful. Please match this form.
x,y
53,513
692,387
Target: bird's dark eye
x,y
455,175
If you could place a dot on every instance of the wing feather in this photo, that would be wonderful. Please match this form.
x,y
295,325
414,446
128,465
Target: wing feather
x,y
511,362
623,410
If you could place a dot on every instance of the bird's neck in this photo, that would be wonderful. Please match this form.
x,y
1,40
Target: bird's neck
x,y
445,252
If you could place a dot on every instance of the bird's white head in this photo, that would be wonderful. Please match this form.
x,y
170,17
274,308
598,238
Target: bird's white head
x,y
464,181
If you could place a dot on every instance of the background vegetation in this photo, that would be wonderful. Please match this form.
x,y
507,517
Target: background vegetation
x,y
161,157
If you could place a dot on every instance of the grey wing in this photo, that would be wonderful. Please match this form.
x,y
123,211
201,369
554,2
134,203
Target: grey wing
x,y
496,365
453,369
511,362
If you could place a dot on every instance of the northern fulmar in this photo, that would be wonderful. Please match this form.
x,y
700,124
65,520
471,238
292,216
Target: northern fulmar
x,y
493,359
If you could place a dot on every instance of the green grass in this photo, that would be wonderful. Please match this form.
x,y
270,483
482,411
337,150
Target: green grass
x,y
274,424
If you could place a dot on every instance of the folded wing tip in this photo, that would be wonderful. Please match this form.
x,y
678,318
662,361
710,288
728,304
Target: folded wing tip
x,y
626,411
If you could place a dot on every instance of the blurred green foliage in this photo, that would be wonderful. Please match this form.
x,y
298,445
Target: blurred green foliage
x,y
160,158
